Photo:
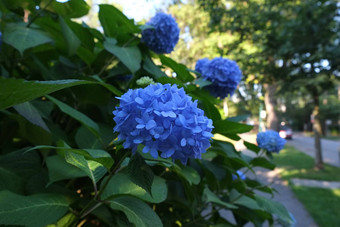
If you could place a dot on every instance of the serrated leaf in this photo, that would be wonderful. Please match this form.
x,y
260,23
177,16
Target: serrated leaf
x,y
28,111
22,38
213,198
94,170
138,212
59,169
79,116
15,91
120,184
140,173
32,211
129,56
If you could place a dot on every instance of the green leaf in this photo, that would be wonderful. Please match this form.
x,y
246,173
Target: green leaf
x,y
70,9
129,56
32,211
150,67
93,169
59,169
79,116
28,111
262,162
238,118
96,155
72,41
274,207
120,184
85,139
115,23
252,147
181,70
211,197
16,91
140,173
226,127
136,211
243,200
10,181
67,221
22,38
22,164
202,82
189,174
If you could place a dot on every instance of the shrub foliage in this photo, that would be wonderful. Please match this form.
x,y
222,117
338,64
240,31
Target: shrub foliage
x,y
61,164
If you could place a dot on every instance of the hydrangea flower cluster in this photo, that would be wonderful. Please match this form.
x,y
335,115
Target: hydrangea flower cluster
x,y
164,35
270,141
240,174
164,119
224,74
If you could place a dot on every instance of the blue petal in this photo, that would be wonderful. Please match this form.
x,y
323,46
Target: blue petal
x,y
139,100
151,124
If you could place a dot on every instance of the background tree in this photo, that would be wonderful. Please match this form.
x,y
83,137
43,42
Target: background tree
x,y
294,39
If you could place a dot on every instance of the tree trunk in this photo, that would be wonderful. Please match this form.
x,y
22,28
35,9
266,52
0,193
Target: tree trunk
x,y
270,102
317,132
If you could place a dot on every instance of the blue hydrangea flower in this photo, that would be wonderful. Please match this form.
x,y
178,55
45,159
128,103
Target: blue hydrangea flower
x,y
240,174
270,141
201,64
224,74
164,119
164,35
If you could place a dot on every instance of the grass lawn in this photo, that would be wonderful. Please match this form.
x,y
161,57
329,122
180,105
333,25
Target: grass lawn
x,y
322,204
295,164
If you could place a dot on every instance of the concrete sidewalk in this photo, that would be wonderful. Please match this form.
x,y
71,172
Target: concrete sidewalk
x,y
330,148
285,195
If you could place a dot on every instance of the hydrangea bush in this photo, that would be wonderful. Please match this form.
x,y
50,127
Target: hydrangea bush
x,y
270,141
61,163
164,34
224,75
163,118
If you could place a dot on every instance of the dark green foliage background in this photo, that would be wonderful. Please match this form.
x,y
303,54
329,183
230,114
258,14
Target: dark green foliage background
x,y
60,162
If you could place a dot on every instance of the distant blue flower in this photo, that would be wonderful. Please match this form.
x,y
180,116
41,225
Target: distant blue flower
x,y
224,74
270,141
201,64
164,119
240,174
164,35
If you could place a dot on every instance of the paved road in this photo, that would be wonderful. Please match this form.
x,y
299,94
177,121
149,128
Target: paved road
x,y
330,148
